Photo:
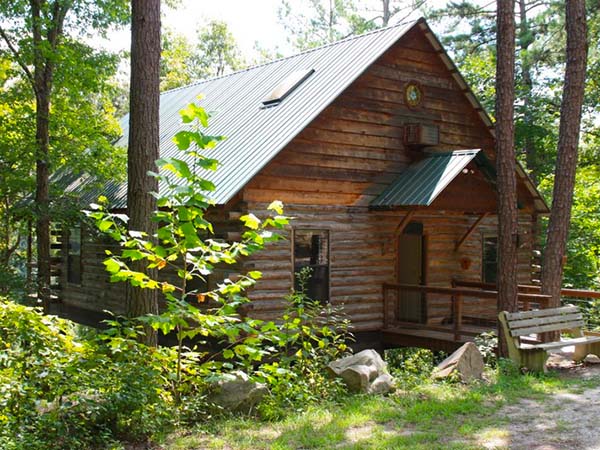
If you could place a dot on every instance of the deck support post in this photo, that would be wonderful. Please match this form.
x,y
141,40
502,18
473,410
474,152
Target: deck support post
x,y
457,319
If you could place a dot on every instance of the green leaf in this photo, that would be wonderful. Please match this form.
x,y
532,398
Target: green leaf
x,y
112,265
276,206
250,221
255,274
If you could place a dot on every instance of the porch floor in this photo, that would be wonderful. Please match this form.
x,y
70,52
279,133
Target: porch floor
x,y
438,337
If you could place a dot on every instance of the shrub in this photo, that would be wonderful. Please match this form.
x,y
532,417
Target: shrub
x,y
58,391
411,366
309,337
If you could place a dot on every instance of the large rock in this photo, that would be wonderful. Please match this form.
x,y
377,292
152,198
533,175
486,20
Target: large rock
x,y
364,372
236,392
466,363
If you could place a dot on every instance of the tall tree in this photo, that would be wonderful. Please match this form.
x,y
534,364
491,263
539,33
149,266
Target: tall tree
x,y
33,31
568,142
319,22
183,61
506,162
143,146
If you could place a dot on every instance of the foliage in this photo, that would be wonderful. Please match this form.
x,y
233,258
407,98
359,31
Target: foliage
x,y
411,366
427,416
214,53
318,22
179,248
487,343
309,337
58,390
290,356
80,139
583,246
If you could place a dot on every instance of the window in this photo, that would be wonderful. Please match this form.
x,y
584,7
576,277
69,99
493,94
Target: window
x,y
489,260
311,249
74,256
286,87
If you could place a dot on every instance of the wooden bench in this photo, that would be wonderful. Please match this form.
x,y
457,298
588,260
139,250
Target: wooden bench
x,y
520,326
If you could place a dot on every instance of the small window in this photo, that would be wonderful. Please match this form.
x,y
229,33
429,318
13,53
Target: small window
x,y
489,261
286,87
311,249
74,256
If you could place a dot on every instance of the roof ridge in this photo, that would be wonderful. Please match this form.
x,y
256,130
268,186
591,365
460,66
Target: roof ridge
x,y
303,52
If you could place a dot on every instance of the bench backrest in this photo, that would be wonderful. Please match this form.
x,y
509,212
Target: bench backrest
x,y
544,320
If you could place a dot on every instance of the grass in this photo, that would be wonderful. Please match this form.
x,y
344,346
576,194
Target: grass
x,y
429,416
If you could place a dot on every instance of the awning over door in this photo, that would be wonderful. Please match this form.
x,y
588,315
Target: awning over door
x,y
422,182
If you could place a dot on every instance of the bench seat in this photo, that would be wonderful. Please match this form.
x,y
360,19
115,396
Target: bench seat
x,y
520,326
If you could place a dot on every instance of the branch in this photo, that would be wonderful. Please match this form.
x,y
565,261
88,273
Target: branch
x,y
17,56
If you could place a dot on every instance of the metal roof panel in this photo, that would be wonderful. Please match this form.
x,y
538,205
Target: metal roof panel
x,y
255,135
423,181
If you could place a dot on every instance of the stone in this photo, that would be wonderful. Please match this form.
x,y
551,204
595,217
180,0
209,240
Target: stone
x,y
466,363
383,384
591,359
362,371
236,392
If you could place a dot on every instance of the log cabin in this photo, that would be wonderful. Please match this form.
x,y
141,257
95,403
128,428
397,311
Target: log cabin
x,y
384,157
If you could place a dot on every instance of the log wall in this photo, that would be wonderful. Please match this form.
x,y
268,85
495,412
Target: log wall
x,y
328,175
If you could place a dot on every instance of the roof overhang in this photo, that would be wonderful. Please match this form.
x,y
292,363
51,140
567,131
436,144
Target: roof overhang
x,y
423,181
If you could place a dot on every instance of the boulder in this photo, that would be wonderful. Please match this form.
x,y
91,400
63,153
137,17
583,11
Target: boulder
x,y
236,392
364,372
383,384
591,359
466,363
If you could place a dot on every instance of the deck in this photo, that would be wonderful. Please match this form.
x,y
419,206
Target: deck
x,y
441,337
467,315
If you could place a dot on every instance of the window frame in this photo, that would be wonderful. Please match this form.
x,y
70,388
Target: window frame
x,y
293,251
484,237
77,281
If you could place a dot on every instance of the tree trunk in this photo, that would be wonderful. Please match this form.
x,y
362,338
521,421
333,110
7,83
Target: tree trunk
x,y
568,139
385,17
143,148
506,164
42,80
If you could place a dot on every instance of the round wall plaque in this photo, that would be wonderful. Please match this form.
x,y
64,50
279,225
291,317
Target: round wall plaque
x,y
413,94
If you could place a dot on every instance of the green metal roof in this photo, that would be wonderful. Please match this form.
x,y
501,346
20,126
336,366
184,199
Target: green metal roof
x,y
422,182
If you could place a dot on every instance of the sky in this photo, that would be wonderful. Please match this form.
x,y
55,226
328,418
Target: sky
x,y
250,21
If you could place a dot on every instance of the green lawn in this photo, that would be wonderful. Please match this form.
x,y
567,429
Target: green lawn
x,y
429,416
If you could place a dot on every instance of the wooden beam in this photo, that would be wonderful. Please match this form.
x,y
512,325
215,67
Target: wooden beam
x,y
470,231
405,221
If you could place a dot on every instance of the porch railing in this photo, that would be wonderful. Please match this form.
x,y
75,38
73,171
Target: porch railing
x,y
456,296
581,297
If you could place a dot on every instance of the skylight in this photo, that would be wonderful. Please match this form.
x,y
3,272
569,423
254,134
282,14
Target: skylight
x,y
286,87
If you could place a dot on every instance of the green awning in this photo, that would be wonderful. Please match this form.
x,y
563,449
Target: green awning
x,y
422,182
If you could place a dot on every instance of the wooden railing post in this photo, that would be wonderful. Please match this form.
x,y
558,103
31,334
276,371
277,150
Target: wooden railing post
x,y
458,312
386,318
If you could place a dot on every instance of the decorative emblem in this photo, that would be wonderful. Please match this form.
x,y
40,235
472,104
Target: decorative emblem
x,y
413,94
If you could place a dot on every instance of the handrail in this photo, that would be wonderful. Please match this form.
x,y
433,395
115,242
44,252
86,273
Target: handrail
x,y
566,292
457,296
522,296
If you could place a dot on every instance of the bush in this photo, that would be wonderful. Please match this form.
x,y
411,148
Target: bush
x,y
310,336
411,366
59,391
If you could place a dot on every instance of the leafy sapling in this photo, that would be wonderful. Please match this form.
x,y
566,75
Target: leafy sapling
x,y
185,245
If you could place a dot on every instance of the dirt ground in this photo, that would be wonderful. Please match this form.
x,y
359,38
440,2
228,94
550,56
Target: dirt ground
x,y
564,421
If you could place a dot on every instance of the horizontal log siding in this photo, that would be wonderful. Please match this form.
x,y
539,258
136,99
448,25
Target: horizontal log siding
x,y
363,257
334,168
96,292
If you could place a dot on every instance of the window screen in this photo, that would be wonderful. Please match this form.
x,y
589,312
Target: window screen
x,y
489,259
74,256
311,249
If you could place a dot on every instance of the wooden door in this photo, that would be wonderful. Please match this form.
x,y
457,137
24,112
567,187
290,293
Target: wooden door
x,y
411,271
